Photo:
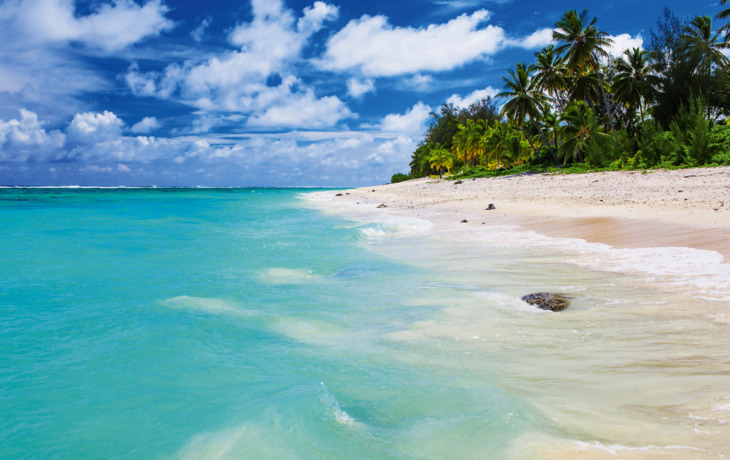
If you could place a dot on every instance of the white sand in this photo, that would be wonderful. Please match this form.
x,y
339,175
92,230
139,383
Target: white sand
x,y
687,208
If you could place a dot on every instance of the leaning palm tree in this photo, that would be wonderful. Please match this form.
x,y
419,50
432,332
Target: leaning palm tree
x,y
525,101
441,159
584,46
702,45
724,14
634,84
549,74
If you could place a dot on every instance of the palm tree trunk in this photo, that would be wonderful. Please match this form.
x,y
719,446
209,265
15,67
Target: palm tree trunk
x,y
555,157
605,100
528,140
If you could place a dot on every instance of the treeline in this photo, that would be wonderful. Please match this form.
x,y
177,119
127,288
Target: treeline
x,y
666,106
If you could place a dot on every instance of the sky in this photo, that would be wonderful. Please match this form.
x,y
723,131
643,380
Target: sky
x,y
259,92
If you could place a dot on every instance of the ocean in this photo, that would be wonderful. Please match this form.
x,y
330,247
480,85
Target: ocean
x,y
254,324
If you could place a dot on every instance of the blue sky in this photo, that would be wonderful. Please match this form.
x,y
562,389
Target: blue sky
x,y
258,92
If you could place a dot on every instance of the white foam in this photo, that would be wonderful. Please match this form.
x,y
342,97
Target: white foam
x,y
333,406
210,305
287,276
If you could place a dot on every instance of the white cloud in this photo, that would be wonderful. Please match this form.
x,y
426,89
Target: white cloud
x,y
376,48
472,97
624,42
357,87
198,33
537,39
315,16
111,27
22,138
145,125
410,124
294,158
419,82
92,128
302,111
236,81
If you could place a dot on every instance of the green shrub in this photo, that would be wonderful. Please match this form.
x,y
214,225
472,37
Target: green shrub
x,y
399,177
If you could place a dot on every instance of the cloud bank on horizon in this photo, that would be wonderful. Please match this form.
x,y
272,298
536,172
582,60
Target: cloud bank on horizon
x,y
257,93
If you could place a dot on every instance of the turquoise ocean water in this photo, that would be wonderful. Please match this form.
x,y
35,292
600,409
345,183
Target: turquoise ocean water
x,y
245,323
141,323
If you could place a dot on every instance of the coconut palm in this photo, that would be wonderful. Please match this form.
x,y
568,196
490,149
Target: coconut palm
x,y
704,46
516,149
441,159
580,127
551,124
549,74
634,84
496,141
525,101
724,14
475,139
584,86
584,46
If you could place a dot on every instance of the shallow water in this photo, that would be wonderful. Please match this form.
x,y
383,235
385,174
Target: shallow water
x,y
244,324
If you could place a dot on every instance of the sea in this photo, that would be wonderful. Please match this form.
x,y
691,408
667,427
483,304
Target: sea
x,y
164,323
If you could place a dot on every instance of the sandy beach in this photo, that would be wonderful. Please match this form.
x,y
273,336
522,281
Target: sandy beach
x,y
624,209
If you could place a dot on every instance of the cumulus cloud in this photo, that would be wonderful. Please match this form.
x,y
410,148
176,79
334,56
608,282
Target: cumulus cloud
x,y
239,81
109,157
145,125
537,39
21,138
411,124
357,87
376,48
472,97
92,128
111,27
624,42
372,46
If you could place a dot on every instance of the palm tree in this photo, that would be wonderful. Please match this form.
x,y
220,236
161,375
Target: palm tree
x,y
724,14
551,122
475,139
700,44
524,101
496,141
441,159
579,128
549,74
516,149
634,83
583,86
584,46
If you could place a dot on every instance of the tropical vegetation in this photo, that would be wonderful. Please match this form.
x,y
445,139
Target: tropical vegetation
x,y
578,108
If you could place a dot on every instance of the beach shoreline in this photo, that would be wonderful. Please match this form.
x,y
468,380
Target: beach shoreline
x,y
644,259
623,209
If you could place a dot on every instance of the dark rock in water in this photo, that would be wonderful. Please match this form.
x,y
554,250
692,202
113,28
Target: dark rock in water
x,y
490,207
464,221
339,194
346,193
382,206
458,182
547,301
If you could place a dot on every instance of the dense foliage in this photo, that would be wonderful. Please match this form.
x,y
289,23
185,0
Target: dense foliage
x,y
666,106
